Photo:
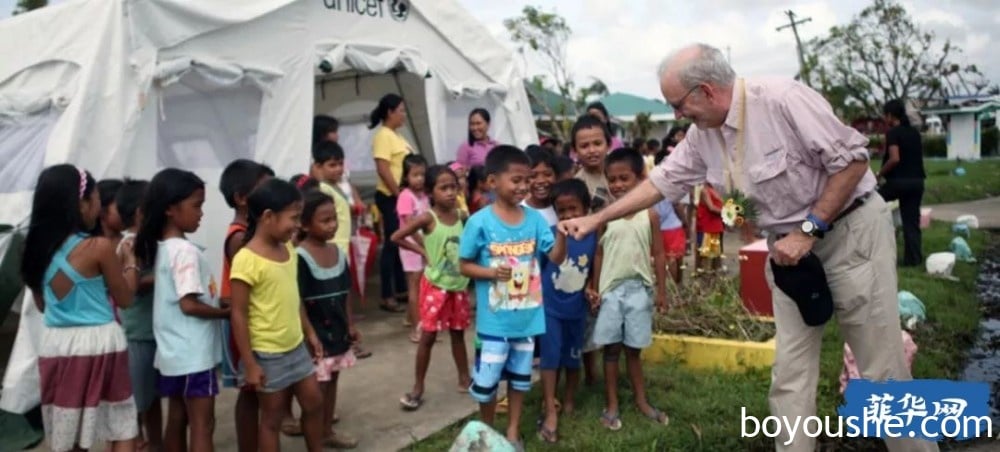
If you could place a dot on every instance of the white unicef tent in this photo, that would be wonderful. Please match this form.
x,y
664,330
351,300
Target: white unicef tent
x,y
128,87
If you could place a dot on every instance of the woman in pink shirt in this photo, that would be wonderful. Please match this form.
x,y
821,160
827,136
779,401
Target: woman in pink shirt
x,y
473,152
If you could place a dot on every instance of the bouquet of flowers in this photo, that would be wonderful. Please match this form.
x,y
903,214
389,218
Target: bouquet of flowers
x,y
738,210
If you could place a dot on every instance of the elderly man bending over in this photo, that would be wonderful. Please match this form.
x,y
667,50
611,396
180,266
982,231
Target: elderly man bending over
x,y
779,142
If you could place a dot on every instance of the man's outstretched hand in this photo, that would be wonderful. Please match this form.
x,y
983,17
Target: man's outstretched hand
x,y
579,227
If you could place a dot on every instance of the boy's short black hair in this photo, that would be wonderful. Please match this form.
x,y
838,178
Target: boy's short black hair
x,y
325,151
571,187
631,156
653,143
107,189
541,156
587,122
129,198
563,165
240,177
499,160
323,125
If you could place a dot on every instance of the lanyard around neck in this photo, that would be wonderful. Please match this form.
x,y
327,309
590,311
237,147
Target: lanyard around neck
x,y
735,179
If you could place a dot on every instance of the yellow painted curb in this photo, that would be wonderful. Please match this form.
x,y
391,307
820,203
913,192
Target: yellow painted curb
x,y
710,353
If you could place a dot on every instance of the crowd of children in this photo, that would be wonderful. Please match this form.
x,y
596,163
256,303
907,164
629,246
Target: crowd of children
x,y
278,326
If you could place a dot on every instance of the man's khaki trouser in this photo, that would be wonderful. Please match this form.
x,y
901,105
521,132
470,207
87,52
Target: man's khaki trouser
x,y
859,256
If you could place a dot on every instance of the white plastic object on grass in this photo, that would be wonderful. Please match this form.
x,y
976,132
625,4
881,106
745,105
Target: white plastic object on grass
x,y
970,220
941,265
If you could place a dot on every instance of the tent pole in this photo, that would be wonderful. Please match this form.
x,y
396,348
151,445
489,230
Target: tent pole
x,y
409,118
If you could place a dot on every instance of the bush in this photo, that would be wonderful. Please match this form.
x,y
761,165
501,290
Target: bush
x,y
989,145
935,146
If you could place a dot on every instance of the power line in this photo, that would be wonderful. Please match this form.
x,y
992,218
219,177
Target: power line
x,y
793,24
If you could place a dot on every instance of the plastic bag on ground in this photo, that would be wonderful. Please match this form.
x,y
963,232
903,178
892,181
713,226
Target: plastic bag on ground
x,y
941,265
850,370
971,220
477,436
961,249
911,310
960,229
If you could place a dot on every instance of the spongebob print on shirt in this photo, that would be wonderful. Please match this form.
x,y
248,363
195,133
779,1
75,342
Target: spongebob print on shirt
x,y
524,289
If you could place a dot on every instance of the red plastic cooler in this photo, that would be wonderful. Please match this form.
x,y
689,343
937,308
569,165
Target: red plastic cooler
x,y
754,291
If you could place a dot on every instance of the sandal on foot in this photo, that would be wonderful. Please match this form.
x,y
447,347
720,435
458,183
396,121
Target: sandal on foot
x,y
361,353
291,427
611,421
410,402
503,406
340,441
394,308
547,436
658,416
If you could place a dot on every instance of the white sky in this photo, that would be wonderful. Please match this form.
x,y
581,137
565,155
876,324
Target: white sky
x,y
622,41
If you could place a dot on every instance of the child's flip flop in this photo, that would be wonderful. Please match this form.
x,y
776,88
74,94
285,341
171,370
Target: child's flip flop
x,y
611,421
410,402
658,416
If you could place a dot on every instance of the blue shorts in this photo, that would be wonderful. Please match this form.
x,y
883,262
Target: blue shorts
x,y
144,375
626,315
502,359
562,343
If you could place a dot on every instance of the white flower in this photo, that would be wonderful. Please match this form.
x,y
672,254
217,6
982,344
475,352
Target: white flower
x,y
729,214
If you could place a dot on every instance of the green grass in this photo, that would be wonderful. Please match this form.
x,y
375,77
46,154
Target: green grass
x,y
942,186
705,406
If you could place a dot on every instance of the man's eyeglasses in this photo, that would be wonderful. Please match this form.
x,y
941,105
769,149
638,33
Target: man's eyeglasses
x,y
680,104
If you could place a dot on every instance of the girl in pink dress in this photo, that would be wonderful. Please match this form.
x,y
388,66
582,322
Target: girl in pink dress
x,y
411,203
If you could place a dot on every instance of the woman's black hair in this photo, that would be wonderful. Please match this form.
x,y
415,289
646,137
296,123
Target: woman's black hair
x,y
483,114
323,125
168,187
572,187
430,180
386,104
129,198
588,122
897,109
274,195
312,199
55,214
409,162
107,189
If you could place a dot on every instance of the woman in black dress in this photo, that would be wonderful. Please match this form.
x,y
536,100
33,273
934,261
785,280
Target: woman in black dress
x,y
903,171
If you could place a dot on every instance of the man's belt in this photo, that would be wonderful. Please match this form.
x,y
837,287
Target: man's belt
x,y
858,202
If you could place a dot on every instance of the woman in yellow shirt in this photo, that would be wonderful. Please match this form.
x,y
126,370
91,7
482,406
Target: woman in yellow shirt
x,y
389,148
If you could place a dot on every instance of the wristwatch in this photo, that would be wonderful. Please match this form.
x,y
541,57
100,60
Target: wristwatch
x,y
813,227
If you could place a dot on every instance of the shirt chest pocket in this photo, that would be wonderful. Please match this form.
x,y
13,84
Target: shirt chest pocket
x,y
774,185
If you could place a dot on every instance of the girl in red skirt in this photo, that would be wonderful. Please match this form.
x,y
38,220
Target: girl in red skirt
x,y
83,360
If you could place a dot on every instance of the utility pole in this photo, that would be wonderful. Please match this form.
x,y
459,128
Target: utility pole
x,y
803,76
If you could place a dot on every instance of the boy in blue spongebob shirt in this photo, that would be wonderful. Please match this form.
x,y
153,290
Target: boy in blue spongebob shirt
x,y
500,249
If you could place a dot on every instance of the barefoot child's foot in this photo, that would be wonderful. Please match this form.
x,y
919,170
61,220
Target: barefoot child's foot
x,y
340,441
